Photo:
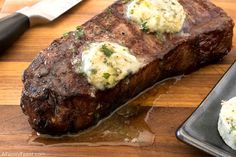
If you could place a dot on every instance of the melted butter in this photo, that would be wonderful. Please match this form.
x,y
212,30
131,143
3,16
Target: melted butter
x,y
106,63
126,126
130,125
163,16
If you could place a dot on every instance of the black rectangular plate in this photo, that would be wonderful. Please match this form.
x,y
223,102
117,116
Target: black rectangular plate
x,y
200,129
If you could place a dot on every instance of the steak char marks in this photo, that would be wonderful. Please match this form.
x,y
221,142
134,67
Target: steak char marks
x,y
57,100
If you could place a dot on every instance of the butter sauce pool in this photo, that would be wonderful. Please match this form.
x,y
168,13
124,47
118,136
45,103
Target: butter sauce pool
x,y
129,125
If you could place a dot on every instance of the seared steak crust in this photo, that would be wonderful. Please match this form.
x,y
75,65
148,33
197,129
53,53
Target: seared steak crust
x,y
57,100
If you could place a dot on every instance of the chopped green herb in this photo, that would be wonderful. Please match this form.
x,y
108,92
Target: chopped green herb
x,y
66,34
78,35
144,27
160,36
126,1
107,51
109,10
94,71
106,75
79,32
80,72
105,60
79,28
232,128
132,11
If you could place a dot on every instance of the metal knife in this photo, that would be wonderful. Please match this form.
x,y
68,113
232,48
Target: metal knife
x,y
12,26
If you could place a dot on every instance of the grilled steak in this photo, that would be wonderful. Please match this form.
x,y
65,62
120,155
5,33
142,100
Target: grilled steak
x,y
57,100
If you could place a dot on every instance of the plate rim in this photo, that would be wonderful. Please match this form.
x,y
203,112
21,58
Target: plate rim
x,y
181,133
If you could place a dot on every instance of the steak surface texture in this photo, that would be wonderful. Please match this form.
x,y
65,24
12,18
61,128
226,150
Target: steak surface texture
x,y
57,100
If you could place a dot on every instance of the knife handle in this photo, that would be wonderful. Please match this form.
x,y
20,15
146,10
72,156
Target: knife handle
x,y
11,27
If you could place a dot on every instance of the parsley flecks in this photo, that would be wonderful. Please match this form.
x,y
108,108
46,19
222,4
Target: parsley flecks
x,y
125,1
66,34
80,72
109,10
132,11
79,32
94,71
144,27
232,128
106,75
79,28
160,36
105,60
107,51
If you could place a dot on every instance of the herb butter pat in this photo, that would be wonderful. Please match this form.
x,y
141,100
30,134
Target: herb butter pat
x,y
106,63
163,16
227,122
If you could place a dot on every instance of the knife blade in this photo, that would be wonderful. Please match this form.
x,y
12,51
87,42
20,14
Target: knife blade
x,y
13,26
48,10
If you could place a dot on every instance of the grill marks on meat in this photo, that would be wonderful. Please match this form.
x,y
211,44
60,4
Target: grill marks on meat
x,y
58,101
